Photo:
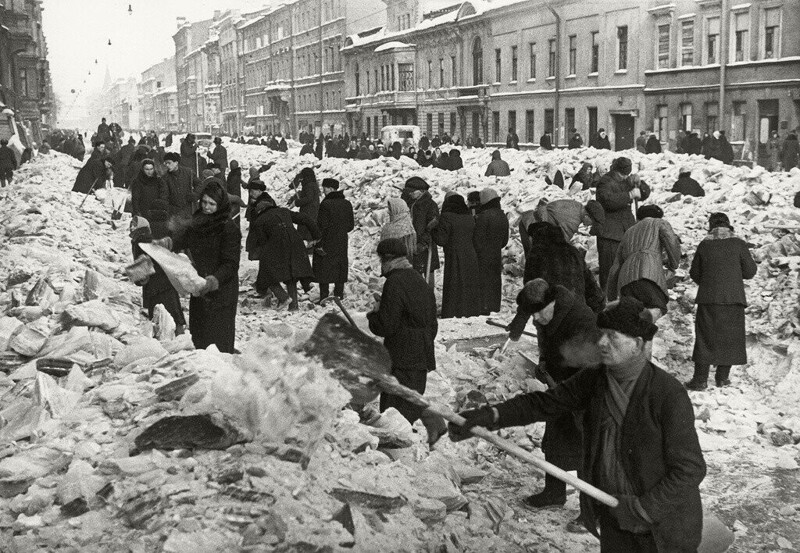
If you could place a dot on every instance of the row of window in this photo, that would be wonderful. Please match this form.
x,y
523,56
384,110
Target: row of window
x,y
739,39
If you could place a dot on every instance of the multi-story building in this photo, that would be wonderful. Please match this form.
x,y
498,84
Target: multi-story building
x,y
25,85
152,86
165,107
190,72
254,40
230,105
717,66
531,66
122,99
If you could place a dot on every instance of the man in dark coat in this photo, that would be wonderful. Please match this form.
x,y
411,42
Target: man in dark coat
x,y
653,145
692,144
454,232
189,157
103,131
567,334
640,442
512,140
424,142
93,174
575,140
497,167
615,192
686,185
436,142
121,161
491,236
712,147
405,316
279,249
335,220
220,157
546,142
8,162
641,142
790,152
182,185
424,212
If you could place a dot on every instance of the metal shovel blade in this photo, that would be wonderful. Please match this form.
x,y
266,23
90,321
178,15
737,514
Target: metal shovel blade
x,y
354,358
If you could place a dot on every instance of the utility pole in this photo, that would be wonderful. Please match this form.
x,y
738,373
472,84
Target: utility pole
x,y
557,75
724,24
321,73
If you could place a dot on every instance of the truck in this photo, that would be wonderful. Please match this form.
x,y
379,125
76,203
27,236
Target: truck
x,y
407,135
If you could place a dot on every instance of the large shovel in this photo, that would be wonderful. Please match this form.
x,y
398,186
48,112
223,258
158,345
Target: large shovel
x,y
363,367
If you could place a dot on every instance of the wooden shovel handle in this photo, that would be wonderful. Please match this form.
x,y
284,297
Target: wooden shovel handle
x,y
526,456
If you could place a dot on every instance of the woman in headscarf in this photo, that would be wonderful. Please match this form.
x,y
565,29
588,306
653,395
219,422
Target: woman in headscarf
x,y
306,198
400,226
454,232
721,263
213,242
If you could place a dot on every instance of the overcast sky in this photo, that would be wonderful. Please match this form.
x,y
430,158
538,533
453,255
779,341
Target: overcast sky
x,y
78,31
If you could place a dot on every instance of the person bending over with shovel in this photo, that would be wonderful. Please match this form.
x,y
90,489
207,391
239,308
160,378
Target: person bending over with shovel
x,y
640,441
405,316
566,329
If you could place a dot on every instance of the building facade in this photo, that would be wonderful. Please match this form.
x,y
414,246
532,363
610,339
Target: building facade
x,y
190,72
25,85
715,66
153,93
531,66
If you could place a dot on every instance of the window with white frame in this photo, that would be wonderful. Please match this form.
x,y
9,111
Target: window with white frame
x,y
595,64
498,65
514,63
532,60
772,31
551,59
453,73
712,40
406,73
740,42
663,46
687,42
441,72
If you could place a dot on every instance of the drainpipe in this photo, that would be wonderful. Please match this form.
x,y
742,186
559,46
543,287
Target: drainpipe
x,y
558,74
724,21
321,72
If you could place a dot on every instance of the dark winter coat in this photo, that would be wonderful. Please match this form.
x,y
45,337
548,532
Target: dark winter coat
x,y
545,142
575,142
277,245
726,151
573,327
423,211
150,199
92,174
712,148
307,201
335,220
653,145
692,145
234,182
307,148
181,185
460,291
601,142
498,168
790,153
720,265
491,236
121,161
560,263
663,460
454,161
220,157
189,156
613,193
8,161
687,186
406,319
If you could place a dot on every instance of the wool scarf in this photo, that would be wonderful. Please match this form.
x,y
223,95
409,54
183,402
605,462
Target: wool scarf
x,y
392,264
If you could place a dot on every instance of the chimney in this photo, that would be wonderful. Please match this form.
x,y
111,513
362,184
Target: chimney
x,y
180,21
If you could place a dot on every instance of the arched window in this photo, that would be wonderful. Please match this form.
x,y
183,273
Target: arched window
x,y
477,62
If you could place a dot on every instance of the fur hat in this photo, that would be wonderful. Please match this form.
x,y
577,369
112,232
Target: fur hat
x,y
649,210
172,156
718,219
536,295
622,164
256,184
330,183
487,195
628,316
392,247
417,183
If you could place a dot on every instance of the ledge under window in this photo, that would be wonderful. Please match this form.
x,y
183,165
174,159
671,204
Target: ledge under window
x,y
533,80
551,78
595,74
572,76
512,82
620,72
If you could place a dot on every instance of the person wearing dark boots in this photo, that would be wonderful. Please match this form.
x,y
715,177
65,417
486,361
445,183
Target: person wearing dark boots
x,y
640,441
405,316
565,326
720,265
335,220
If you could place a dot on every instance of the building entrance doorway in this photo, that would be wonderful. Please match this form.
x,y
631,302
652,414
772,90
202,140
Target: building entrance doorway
x,y
623,132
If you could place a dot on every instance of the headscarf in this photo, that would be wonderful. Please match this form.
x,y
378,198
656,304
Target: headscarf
x,y
400,225
208,224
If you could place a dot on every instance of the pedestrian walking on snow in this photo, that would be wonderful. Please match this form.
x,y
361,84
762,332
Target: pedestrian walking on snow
x,y
8,163
720,265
